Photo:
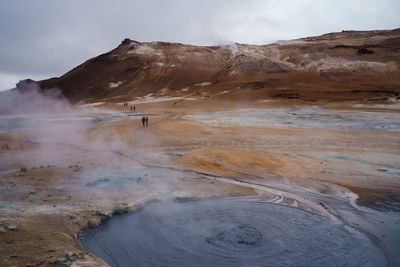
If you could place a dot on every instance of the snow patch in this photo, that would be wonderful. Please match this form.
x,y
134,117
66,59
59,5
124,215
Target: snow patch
x,y
359,64
287,42
115,85
383,106
267,101
144,50
154,100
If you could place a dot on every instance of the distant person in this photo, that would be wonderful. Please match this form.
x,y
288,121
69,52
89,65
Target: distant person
x,y
131,108
143,121
134,108
147,121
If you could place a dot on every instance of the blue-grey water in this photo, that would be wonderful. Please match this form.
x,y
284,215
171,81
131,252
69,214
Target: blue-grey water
x,y
16,122
224,232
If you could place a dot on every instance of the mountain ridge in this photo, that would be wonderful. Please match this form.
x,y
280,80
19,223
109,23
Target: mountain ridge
x,y
347,65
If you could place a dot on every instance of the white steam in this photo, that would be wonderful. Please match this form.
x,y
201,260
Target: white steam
x,y
28,98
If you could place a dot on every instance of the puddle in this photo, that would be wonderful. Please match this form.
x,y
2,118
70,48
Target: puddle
x,y
98,182
113,180
347,159
224,232
174,154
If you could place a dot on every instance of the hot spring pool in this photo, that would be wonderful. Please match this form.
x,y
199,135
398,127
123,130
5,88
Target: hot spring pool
x,y
226,232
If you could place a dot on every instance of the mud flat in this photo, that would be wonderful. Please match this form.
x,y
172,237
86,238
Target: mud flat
x,y
324,171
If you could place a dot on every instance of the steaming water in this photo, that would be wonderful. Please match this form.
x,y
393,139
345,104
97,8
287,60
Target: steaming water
x,y
227,233
9,123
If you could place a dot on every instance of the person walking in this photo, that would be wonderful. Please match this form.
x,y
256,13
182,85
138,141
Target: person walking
x,y
147,121
143,121
134,108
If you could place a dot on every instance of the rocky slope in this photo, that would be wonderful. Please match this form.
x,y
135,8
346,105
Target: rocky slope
x,y
350,65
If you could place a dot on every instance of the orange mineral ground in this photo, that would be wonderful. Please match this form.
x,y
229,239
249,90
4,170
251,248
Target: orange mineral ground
x,y
312,123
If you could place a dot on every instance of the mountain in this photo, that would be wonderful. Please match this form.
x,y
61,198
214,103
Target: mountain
x,y
348,65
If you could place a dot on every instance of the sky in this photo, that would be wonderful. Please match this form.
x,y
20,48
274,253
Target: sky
x,y
40,39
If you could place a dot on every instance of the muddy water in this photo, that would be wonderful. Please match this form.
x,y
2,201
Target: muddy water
x,y
225,232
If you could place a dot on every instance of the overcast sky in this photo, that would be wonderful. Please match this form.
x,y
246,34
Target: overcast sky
x,y
45,38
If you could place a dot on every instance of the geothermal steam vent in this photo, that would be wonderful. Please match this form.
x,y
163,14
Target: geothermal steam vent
x,y
227,233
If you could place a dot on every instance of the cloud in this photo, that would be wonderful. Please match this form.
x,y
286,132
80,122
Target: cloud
x,y
46,38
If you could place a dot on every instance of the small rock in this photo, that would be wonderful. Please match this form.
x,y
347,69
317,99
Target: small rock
x,y
363,51
5,221
12,227
32,193
92,223
74,256
62,262
77,168
100,213
2,230
79,256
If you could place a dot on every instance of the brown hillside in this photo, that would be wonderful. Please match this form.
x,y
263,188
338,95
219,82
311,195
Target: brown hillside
x,y
350,65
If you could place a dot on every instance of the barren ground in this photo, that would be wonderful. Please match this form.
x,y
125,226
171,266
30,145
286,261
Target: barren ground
x,y
61,173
